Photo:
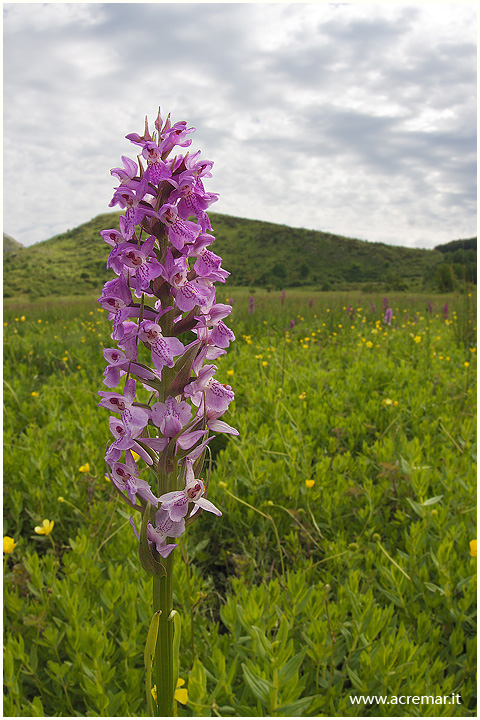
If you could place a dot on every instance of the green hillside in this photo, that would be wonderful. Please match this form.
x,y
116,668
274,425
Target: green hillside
x,y
256,254
10,245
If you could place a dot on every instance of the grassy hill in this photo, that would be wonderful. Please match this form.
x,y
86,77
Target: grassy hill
x,y
256,254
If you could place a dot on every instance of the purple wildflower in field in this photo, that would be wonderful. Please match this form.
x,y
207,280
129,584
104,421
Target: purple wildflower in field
x,y
373,308
282,296
387,319
251,304
385,303
163,289
445,311
291,324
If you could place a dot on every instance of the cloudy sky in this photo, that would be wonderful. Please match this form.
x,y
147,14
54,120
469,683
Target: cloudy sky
x,y
353,118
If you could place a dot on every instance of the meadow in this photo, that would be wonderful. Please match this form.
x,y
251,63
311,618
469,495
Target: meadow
x,y
341,566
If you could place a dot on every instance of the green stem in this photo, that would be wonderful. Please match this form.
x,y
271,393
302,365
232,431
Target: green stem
x,y
163,662
163,601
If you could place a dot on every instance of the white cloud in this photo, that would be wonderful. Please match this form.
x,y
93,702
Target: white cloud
x,y
352,118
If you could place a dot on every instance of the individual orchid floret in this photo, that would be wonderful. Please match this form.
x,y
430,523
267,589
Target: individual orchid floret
x,y
116,295
187,293
132,415
136,207
180,232
124,440
125,477
116,298
217,396
163,349
171,416
117,366
157,170
213,422
191,201
176,503
198,169
175,135
127,173
157,537
113,237
164,528
220,335
208,264
142,264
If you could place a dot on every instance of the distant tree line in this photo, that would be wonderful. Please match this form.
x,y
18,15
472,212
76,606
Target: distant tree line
x,y
460,263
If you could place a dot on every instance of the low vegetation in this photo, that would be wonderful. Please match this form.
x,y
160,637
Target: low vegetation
x,y
341,565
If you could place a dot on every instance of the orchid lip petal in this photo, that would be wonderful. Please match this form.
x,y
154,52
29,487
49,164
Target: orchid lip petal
x,y
207,505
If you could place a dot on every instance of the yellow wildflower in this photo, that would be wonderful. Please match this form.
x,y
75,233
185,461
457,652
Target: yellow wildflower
x,y
302,396
417,339
9,545
45,528
230,372
84,468
386,402
35,393
309,483
264,363
181,693
473,548
369,344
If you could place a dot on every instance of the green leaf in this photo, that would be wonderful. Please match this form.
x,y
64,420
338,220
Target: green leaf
x,y
151,643
432,500
416,507
148,656
291,667
294,709
175,617
259,686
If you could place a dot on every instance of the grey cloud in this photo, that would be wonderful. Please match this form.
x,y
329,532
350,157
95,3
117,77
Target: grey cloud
x,y
340,98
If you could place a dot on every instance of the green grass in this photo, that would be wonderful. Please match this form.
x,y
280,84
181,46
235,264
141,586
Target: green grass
x,y
341,563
